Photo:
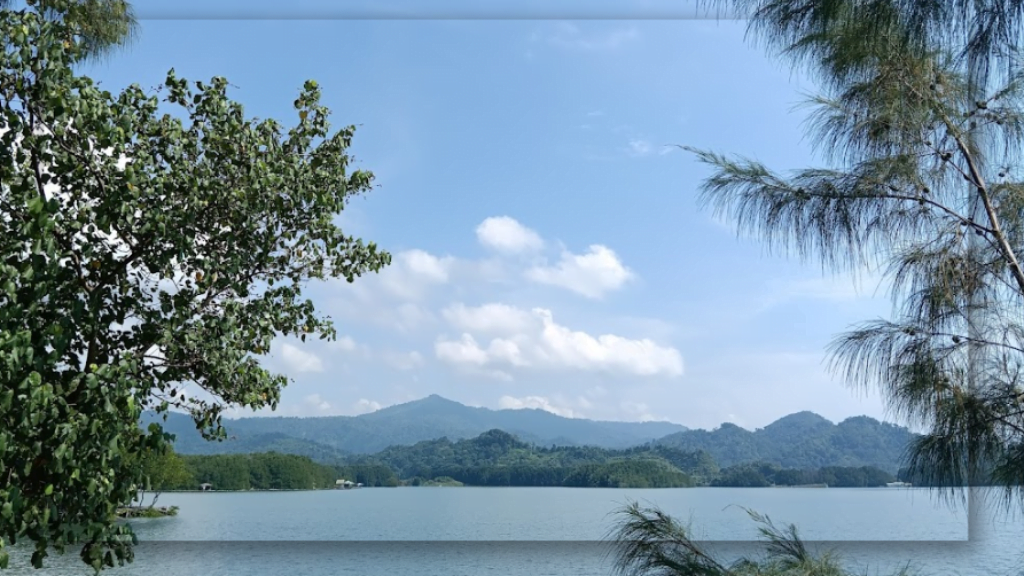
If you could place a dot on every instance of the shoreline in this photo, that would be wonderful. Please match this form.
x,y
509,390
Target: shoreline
x,y
803,486
146,511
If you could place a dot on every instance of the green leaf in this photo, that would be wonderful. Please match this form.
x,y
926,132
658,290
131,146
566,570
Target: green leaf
x,y
67,302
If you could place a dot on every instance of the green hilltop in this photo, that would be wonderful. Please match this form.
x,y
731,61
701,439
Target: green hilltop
x,y
803,440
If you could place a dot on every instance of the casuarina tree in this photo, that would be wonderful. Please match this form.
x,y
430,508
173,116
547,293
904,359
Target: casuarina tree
x,y
100,25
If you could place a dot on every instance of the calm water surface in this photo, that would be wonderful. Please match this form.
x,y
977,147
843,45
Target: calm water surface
x,y
540,531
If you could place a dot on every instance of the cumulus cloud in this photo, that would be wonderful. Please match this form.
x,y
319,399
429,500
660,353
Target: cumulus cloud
x,y
412,272
466,350
498,319
505,234
608,351
346,343
535,402
349,345
545,344
316,403
364,406
592,274
426,265
298,360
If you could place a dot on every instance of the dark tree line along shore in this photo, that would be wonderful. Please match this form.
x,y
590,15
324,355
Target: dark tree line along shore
x,y
494,458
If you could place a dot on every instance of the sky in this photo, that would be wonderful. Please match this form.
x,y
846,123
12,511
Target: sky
x,y
548,247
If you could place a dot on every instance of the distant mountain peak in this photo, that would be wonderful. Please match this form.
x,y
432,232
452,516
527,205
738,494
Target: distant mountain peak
x,y
435,399
803,418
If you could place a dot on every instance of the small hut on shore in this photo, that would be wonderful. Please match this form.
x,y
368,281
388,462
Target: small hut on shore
x,y
342,484
205,487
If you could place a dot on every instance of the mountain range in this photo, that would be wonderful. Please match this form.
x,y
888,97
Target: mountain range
x,y
801,440
405,424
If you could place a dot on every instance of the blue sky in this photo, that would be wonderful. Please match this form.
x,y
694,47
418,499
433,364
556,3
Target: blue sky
x,y
549,249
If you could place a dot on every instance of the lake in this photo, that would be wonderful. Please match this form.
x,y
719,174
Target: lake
x,y
539,531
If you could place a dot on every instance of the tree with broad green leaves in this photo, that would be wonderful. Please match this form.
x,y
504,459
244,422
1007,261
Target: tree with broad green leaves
x,y
152,246
162,468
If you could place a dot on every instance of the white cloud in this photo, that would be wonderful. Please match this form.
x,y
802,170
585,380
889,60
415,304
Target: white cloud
x,y
546,344
299,360
346,343
593,274
642,147
497,319
608,351
536,402
426,265
463,351
467,351
507,235
349,345
412,272
364,406
316,403
639,147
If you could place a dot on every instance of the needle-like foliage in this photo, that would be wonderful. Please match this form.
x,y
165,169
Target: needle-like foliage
x,y
925,187
100,25
648,542
842,39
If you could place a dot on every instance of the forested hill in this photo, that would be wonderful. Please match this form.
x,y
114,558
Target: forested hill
x,y
405,424
801,440
495,458
498,458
